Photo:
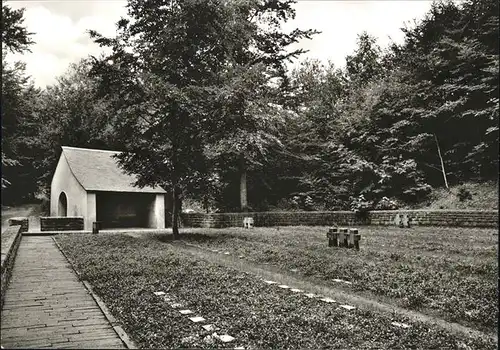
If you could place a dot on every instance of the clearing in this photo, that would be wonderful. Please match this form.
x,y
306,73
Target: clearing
x,y
261,315
447,272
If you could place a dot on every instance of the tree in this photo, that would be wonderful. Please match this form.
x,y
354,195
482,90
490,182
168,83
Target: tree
x,y
163,73
17,96
450,113
15,37
177,69
365,64
255,104
69,113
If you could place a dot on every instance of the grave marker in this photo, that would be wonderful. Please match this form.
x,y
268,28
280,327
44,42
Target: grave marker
x,y
327,300
197,319
402,220
332,237
347,307
209,327
402,325
343,237
248,222
225,338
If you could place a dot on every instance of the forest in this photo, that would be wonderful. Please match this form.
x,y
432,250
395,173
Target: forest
x,y
199,98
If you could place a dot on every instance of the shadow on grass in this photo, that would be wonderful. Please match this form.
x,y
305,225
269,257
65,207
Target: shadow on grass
x,y
193,237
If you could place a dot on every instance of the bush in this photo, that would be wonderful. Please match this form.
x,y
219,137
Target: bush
x,y
361,207
45,207
464,194
360,204
387,204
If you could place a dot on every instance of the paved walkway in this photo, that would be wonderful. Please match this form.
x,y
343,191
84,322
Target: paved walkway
x,y
47,306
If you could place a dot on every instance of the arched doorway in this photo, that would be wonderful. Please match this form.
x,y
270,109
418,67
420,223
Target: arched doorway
x,y
63,205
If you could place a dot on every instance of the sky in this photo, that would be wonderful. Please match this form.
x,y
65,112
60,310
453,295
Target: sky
x,y
61,38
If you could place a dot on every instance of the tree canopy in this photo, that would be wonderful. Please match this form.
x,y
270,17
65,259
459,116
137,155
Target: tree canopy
x,y
200,97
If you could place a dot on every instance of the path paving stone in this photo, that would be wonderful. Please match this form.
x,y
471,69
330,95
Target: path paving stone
x,y
327,300
402,325
209,327
46,306
197,319
347,307
225,338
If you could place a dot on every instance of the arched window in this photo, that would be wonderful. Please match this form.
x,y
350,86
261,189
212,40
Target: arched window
x,y
63,205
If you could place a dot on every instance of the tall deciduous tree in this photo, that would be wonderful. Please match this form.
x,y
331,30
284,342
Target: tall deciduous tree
x,y
69,113
164,71
254,106
15,36
186,75
17,96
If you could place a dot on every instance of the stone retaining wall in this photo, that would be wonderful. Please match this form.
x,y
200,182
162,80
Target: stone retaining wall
x,y
61,223
23,222
11,238
451,218
268,219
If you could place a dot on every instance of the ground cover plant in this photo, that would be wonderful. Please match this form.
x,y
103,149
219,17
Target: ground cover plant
x,y
125,272
447,272
470,195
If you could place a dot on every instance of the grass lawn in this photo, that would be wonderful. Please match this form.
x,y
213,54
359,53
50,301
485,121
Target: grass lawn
x,y
447,272
126,271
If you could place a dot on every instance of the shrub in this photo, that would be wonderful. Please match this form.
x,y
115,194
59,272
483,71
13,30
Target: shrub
x,y
387,204
45,207
361,207
464,194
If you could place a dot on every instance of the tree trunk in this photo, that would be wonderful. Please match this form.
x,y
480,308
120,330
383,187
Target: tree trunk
x,y
175,211
205,203
442,163
243,185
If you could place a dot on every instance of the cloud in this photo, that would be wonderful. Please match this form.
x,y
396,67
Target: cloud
x,y
61,36
61,29
341,21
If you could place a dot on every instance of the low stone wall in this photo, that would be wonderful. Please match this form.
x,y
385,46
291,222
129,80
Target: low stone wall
x,y
22,221
451,218
61,223
306,218
11,238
